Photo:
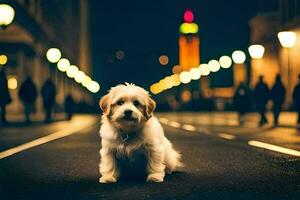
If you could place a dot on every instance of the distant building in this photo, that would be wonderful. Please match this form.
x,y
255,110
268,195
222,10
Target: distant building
x,y
38,26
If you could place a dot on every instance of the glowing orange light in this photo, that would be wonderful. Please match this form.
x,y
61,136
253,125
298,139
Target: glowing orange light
x,y
176,69
163,60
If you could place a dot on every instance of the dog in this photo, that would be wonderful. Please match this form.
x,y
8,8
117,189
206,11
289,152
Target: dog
x,y
129,128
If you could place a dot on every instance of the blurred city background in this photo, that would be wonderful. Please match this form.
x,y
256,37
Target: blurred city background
x,y
227,71
191,56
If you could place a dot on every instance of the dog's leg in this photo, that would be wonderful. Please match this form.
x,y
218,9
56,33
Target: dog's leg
x,y
108,167
156,166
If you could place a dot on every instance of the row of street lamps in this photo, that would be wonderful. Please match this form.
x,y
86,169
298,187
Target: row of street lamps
x,y
53,55
256,51
63,64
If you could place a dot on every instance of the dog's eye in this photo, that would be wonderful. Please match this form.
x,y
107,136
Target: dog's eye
x,y
120,102
136,103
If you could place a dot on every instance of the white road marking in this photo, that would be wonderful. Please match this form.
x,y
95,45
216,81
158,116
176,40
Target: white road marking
x,y
274,148
40,141
189,127
226,136
175,124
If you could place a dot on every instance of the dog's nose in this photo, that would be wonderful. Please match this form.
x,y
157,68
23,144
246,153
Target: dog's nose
x,y
127,112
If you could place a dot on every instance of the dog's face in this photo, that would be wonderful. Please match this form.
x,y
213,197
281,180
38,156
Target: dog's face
x,y
127,106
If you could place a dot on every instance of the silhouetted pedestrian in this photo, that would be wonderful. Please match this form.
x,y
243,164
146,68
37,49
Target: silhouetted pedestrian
x,y
48,94
4,95
277,96
241,101
28,95
296,98
69,106
261,98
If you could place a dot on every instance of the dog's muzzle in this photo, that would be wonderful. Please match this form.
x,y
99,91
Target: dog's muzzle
x,y
128,116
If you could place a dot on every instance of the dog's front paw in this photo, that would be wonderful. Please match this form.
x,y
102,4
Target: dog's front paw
x,y
156,177
107,179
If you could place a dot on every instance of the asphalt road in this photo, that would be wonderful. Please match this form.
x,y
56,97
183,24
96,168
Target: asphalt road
x,y
215,167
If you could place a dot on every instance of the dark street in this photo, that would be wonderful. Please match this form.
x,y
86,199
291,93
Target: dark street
x,y
80,82
215,167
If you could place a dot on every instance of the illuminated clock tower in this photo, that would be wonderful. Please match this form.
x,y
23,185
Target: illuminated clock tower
x,y
189,54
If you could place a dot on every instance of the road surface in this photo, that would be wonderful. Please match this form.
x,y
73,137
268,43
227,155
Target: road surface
x,y
60,161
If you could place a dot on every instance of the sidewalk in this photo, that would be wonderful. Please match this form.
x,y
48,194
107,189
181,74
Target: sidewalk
x,y
286,119
15,120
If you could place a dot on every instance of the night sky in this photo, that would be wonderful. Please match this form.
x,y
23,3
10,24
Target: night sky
x,y
144,30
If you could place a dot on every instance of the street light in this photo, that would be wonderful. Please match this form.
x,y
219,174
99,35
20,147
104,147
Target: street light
x,y
79,76
71,71
195,73
93,87
185,77
53,55
225,62
238,57
287,40
63,64
7,14
214,65
256,51
3,59
204,69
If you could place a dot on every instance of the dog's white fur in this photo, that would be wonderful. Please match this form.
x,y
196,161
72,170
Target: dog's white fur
x,y
141,133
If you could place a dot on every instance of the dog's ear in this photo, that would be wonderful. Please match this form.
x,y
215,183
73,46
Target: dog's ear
x,y
104,104
150,107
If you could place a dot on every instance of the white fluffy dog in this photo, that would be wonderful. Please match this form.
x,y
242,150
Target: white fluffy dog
x,y
129,127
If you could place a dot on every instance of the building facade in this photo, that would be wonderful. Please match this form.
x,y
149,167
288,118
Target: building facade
x,y
285,61
38,26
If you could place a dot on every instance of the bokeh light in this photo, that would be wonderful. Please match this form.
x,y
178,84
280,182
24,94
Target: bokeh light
x,y
93,86
256,51
195,73
188,16
188,28
63,64
163,59
238,57
204,69
225,62
71,71
185,77
287,38
53,55
86,80
12,82
214,65
176,79
79,76
3,59
176,69
7,14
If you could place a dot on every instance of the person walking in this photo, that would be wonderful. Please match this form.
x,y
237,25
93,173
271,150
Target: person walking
x,y
277,97
48,94
4,95
69,106
296,98
261,97
241,101
28,95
